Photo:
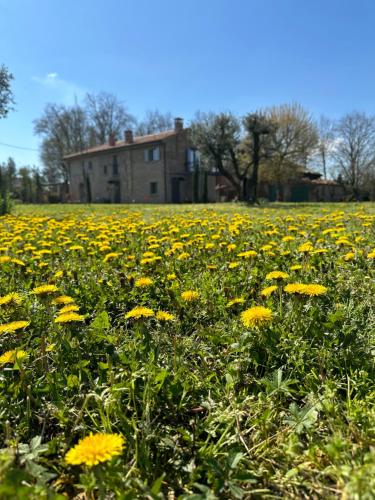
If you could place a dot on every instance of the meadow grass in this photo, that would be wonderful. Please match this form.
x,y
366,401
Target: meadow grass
x,y
135,325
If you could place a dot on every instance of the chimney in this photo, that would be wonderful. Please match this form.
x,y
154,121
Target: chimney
x,y
112,139
178,124
128,136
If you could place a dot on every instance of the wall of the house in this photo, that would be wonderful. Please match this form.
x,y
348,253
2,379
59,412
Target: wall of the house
x,y
139,174
103,185
177,179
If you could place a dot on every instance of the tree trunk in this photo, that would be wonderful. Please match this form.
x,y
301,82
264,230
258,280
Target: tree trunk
x,y
243,189
324,164
253,198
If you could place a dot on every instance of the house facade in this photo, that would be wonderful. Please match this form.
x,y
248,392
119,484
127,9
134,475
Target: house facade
x,y
156,168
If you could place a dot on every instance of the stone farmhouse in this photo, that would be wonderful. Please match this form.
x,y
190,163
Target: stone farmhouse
x,y
154,168
161,168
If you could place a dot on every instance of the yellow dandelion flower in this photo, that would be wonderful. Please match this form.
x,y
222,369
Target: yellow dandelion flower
x,y
111,255
343,242
256,316
18,262
306,247
94,449
63,299
104,248
69,317
183,256
149,260
69,308
349,256
371,255
43,289
39,253
266,248
12,356
277,275
294,288
296,267
267,291
139,312
13,326
148,254
313,290
236,300
233,265
143,282
171,276
14,298
248,254
189,295
4,259
165,316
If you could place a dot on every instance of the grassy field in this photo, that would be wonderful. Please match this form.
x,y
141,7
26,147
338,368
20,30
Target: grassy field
x,y
190,352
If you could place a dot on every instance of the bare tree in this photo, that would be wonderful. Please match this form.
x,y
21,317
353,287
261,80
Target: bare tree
x,y
218,137
71,129
107,116
155,122
6,94
325,143
293,141
63,130
234,150
259,128
354,152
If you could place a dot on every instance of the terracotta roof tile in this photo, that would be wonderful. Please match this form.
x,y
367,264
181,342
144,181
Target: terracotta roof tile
x,y
144,139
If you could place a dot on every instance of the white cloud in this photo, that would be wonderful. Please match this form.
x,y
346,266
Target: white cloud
x,y
61,89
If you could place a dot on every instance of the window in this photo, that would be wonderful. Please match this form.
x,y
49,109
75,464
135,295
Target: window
x,y
90,166
192,159
152,154
114,166
105,170
153,188
190,155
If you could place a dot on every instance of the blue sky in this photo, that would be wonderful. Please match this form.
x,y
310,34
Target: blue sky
x,y
185,56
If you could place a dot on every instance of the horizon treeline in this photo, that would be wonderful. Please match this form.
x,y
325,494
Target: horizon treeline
x,y
272,144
